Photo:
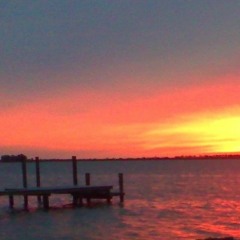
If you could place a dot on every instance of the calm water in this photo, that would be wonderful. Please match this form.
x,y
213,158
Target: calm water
x,y
164,200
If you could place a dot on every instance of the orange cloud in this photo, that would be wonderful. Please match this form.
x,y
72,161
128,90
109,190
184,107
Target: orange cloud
x,y
194,119
201,133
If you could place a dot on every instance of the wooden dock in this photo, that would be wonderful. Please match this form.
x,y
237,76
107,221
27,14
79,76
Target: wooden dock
x,y
79,193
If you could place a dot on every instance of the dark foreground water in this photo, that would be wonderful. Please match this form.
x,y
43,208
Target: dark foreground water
x,y
164,200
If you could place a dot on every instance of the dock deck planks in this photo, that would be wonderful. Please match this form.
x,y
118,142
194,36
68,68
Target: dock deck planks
x,y
57,190
78,193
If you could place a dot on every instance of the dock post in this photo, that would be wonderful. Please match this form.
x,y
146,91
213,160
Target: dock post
x,y
75,179
38,178
24,175
87,179
46,201
121,189
75,200
87,182
74,169
11,201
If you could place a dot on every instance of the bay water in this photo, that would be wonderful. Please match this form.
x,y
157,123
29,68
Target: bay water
x,y
170,199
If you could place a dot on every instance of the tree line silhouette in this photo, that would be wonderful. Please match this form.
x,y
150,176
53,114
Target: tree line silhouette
x,y
13,158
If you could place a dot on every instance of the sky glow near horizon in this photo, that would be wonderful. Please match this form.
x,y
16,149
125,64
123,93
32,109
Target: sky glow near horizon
x,y
119,78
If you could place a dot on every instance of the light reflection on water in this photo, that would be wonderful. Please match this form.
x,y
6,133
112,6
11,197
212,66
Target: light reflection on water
x,y
165,200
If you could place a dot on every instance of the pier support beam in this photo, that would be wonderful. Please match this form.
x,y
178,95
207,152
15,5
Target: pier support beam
x,y
38,179
88,182
121,188
11,201
74,170
24,177
77,200
46,201
87,179
25,202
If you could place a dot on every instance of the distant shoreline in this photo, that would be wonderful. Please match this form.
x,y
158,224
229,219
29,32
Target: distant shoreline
x,y
187,158
176,158
135,159
127,159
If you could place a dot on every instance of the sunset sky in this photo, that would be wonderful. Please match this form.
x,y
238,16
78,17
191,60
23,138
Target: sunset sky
x,y
108,78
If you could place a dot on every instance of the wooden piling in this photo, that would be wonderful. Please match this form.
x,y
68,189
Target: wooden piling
x,y
74,169
80,202
87,179
38,178
11,201
121,188
24,177
46,201
88,182
24,173
75,200
26,202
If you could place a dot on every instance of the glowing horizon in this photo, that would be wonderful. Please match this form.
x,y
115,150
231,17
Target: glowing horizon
x,y
115,127
119,79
